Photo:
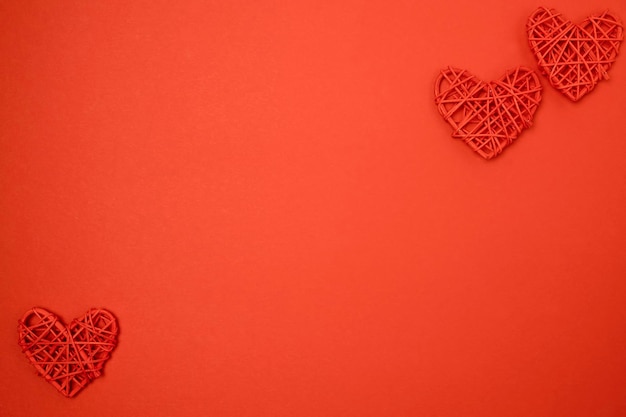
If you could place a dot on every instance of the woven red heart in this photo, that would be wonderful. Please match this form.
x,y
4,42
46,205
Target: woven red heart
x,y
487,116
69,357
574,57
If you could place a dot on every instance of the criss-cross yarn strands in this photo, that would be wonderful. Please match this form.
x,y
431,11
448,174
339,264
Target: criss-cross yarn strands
x,y
69,357
487,116
574,57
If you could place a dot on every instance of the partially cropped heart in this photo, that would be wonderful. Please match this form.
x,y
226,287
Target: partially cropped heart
x,y
574,57
68,357
487,116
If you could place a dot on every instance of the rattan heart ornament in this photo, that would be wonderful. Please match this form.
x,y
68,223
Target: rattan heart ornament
x,y
68,357
488,116
574,57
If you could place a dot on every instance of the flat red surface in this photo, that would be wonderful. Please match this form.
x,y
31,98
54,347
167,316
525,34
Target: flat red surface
x,y
267,198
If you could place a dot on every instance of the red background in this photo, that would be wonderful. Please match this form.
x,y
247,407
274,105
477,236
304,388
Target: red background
x,y
266,197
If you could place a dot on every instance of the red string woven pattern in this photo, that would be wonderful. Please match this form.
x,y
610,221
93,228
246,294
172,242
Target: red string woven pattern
x,y
574,57
69,357
487,116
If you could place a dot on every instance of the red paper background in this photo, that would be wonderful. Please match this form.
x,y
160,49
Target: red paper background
x,y
266,197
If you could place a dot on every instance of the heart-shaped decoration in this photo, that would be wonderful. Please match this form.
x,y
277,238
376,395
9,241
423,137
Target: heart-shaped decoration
x,y
574,57
68,357
487,116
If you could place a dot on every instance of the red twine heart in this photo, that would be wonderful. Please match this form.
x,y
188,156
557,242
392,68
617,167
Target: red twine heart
x,y
487,116
574,57
69,357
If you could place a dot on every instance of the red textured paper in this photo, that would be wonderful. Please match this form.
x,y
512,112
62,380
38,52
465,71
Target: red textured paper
x,y
265,195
